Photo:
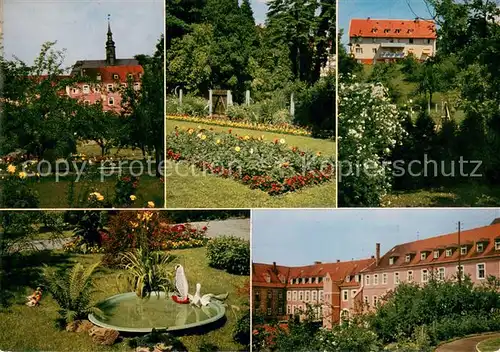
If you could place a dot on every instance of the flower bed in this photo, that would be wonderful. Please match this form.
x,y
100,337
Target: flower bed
x,y
226,122
272,167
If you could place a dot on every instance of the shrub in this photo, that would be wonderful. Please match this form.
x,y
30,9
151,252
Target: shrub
x,y
241,333
229,253
148,272
125,189
191,105
17,193
17,231
347,338
72,290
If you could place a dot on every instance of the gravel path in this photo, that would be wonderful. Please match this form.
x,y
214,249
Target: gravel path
x,y
465,345
235,227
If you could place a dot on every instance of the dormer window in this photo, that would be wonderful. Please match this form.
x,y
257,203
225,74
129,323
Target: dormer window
x,y
497,244
137,86
391,260
86,88
463,250
98,77
387,30
115,76
357,278
267,277
436,254
408,258
129,76
348,278
398,30
291,281
423,256
449,252
479,247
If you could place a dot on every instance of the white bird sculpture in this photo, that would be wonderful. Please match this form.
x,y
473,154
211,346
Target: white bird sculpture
x,y
181,284
198,299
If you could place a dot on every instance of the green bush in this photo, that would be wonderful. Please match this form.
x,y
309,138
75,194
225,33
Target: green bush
x,y
229,253
191,105
241,333
241,113
347,337
17,193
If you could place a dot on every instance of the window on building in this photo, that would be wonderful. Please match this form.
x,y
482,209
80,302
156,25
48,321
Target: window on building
x,y
428,41
129,76
98,77
294,295
357,278
425,275
86,101
391,260
267,277
463,250
384,279
86,88
257,296
288,309
280,295
460,272
408,258
307,296
314,296
374,300
301,295
111,101
436,254
115,76
497,245
110,87
449,252
74,90
348,278
353,293
345,295
375,279
423,256
481,271
367,280
294,309
291,281
280,310
365,299
411,40
396,278
479,247
409,276
441,273
374,50
387,30
268,311
269,294
359,50
321,295
397,30
289,296
97,90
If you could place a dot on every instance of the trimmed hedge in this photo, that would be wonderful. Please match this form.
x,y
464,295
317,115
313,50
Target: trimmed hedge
x,y
229,253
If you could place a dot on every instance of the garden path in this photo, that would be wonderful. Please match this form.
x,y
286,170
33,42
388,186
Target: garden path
x,y
235,227
465,345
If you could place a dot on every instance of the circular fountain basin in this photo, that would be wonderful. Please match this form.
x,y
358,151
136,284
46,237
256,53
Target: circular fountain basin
x,y
128,313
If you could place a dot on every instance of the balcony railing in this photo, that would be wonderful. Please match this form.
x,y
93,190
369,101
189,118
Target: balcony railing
x,y
392,55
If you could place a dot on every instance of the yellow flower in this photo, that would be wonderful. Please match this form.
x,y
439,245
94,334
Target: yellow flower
x,y
151,204
96,195
262,137
11,169
318,153
134,224
282,141
132,197
218,141
247,137
190,131
237,148
22,174
203,137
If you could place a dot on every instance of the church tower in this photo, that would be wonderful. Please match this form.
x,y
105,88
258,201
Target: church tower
x,y
110,47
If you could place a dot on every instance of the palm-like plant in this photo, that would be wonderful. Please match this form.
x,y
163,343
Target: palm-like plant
x,y
72,290
148,271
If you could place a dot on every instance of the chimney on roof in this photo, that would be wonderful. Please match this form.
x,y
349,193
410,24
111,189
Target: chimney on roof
x,y
373,257
377,253
317,262
338,260
369,18
274,267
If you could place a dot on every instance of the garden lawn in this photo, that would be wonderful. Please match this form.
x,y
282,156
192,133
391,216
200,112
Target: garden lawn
x,y
460,196
24,328
490,345
189,188
92,149
55,194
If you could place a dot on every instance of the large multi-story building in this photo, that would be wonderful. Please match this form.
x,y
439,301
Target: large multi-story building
x,y
339,290
280,292
109,76
383,40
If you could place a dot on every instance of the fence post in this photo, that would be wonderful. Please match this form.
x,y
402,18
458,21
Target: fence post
x,y
180,97
292,106
210,102
247,97
229,99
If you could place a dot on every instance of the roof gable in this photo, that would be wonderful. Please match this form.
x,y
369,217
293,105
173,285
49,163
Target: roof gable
x,y
386,28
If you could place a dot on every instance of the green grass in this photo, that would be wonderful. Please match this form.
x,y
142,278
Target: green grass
x,y
188,189
24,328
209,191
92,149
490,345
460,196
55,194
326,147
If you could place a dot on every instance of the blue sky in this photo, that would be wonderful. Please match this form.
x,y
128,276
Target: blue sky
x,y
300,237
395,9
80,27
259,8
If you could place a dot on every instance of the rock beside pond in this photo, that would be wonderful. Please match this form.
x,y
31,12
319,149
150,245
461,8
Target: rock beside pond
x,y
103,336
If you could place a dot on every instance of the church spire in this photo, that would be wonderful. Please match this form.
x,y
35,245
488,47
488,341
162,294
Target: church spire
x,y
110,46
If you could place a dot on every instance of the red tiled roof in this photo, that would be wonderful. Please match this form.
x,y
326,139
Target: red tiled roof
x,y
337,271
486,234
122,71
378,28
